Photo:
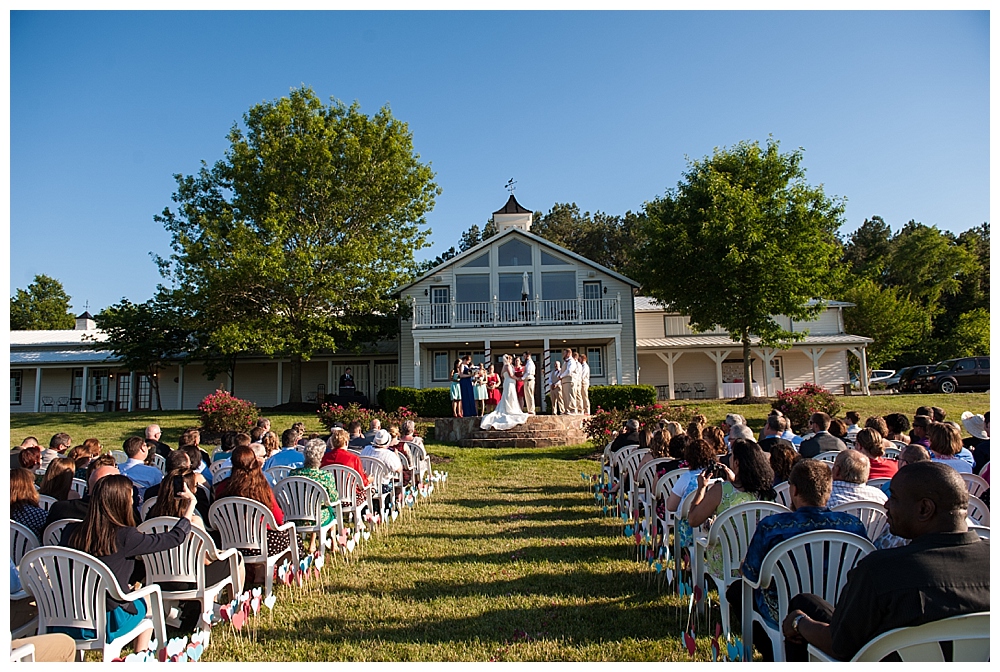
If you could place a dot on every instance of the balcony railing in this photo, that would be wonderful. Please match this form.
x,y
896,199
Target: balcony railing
x,y
517,313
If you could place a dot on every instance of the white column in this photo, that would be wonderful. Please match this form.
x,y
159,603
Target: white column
x,y
670,358
545,369
131,390
718,356
814,355
864,371
38,389
180,387
416,364
83,392
766,355
618,359
281,379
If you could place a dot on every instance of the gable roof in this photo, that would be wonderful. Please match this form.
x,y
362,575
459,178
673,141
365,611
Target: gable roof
x,y
512,207
472,251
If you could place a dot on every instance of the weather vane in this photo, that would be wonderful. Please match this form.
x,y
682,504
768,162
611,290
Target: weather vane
x,y
86,305
510,186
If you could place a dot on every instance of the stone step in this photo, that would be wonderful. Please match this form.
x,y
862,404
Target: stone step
x,y
527,433
512,442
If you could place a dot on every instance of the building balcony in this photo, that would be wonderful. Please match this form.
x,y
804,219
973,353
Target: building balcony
x,y
533,312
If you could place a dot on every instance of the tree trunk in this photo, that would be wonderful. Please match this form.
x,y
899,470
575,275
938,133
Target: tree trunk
x,y
747,368
295,385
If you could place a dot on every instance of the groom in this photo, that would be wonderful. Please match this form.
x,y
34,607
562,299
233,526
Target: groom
x,y
529,383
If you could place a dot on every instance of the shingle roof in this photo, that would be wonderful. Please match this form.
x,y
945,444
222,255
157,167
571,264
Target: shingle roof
x,y
512,207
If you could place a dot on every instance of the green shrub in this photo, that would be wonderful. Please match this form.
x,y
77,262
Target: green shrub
x,y
434,402
799,404
622,397
392,398
222,412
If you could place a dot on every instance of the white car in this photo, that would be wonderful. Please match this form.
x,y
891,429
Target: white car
x,y
878,376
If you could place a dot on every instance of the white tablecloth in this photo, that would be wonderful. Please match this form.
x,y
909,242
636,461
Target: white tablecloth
x,y
734,390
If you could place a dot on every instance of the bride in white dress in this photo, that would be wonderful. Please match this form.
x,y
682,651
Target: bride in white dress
x,y
508,412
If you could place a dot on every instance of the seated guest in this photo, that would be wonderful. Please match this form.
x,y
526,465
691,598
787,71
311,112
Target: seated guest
x,y
945,443
192,437
716,439
29,458
771,433
699,457
168,499
374,426
853,418
943,572
337,453
869,443
878,423
108,533
657,450
77,508
963,453
289,455
629,436
312,456
696,427
15,453
58,480
838,428
179,462
850,476
379,449
271,444
135,467
918,434
783,458
58,444
809,489
227,444
24,507
898,425
357,439
982,449
196,462
822,441
788,435
235,440
408,433
153,434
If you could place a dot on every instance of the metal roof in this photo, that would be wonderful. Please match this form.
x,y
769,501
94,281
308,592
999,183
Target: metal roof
x,y
512,207
649,304
55,337
35,357
719,341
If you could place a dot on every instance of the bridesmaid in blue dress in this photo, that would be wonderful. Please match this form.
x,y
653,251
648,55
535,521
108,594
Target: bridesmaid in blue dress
x,y
468,394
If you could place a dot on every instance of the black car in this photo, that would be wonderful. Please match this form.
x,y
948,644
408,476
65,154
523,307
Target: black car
x,y
908,375
954,375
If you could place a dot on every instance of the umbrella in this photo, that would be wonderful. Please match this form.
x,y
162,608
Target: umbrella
x,y
524,287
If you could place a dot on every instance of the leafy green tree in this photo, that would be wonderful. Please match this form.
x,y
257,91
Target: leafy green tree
x,y
928,263
971,335
606,239
293,241
43,305
887,316
742,238
867,250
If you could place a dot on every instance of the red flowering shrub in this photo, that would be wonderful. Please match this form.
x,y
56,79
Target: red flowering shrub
x,y
222,412
603,424
330,414
799,404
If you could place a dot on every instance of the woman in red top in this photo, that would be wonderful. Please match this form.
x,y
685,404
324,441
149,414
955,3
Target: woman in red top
x,y
492,387
870,444
247,480
337,453
519,374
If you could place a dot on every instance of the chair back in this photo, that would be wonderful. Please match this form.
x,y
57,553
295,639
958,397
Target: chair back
x,y
146,506
871,514
899,444
969,634
275,474
120,456
377,470
813,562
79,486
301,499
829,456
627,461
893,453
45,502
221,474
977,484
242,523
878,482
184,563
645,482
53,531
160,463
733,529
979,513
983,532
348,480
782,494
22,540
215,467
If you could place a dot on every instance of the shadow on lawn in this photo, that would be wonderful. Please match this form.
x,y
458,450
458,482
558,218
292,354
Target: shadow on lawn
x,y
569,553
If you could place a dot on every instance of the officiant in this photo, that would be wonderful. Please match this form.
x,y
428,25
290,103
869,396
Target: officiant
x,y
347,387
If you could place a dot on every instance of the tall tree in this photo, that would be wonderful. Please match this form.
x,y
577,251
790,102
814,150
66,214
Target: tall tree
x,y
606,239
742,238
893,321
43,305
867,250
295,238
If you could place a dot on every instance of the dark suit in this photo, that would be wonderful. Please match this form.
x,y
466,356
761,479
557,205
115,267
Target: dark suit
x,y
767,443
624,439
822,442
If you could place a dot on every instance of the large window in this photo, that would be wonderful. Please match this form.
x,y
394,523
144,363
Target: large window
x,y
478,356
512,286
595,358
482,261
15,387
442,367
514,253
552,260
558,285
472,288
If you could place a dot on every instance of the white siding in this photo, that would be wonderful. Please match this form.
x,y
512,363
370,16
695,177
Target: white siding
x,y
649,325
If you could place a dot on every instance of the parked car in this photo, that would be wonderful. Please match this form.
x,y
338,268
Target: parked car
x,y
908,375
954,375
878,376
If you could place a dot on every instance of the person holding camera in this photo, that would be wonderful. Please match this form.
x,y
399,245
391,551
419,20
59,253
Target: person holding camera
x,y
700,457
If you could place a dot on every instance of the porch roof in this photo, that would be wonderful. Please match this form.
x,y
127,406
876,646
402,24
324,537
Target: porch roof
x,y
722,341
36,357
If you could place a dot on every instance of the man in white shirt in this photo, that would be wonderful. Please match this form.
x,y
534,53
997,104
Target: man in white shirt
x,y
569,378
379,449
555,389
578,382
585,384
135,467
529,384
850,476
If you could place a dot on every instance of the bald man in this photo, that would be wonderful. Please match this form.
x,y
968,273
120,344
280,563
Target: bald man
x,y
850,475
943,572
153,434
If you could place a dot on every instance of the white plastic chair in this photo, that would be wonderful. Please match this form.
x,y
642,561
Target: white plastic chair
x,y
662,491
979,513
893,453
24,653
216,467
242,524
643,486
275,474
871,514
782,495
899,444
969,634
221,474
421,459
53,531
45,502
146,506
70,588
629,467
120,456
829,456
813,562
379,475
79,486
186,563
732,531
977,484
348,480
302,501
22,540
878,482
981,530
160,463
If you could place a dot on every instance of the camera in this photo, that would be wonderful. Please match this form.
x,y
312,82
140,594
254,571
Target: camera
x,y
716,470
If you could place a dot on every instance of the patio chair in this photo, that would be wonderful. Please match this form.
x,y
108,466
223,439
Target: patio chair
x,y
74,403
641,498
899,444
878,482
379,475
421,459
45,502
979,513
969,635
981,530
160,463
53,531
700,392
22,540
79,486
829,456
275,474
23,654
63,403
871,514
686,390
302,501
47,403
782,494
977,484
893,453
148,504
814,562
662,491
242,524
215,467
120,456
70,588
348,480
186,564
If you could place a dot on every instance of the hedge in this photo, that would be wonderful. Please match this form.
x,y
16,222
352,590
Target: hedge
x,y
621,397
429,402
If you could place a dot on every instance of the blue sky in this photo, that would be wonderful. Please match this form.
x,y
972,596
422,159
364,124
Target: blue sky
x,y
598,108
